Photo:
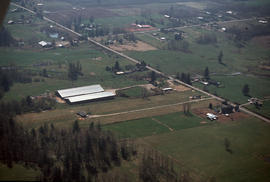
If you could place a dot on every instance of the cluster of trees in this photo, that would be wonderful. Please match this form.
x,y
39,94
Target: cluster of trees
x,y
154,167
115,68
247,33
98,31
9,75
130,37
245,90
5,37
207,39
74,70
27,104
62,154
177,45
184,77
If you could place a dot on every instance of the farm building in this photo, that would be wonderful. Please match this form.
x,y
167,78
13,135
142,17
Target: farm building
x,y
84,94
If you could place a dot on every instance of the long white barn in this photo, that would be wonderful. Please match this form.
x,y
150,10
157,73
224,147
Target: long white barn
x,y
85,93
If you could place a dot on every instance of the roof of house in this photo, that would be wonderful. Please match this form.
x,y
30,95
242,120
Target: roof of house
x,y
91,89
89,97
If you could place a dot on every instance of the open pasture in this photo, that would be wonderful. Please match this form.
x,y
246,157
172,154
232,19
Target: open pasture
x,y
202,149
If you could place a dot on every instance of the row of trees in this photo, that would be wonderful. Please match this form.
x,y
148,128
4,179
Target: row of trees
x,y
184,77
178,45
154,167
5,37
9,75
74,70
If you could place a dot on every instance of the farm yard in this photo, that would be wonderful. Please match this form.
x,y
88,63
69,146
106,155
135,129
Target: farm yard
x,y
219,47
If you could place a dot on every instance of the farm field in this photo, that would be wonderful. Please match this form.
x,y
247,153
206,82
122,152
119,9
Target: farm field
x,y
202,149
149,112
154,125
65,115
232,90
56,62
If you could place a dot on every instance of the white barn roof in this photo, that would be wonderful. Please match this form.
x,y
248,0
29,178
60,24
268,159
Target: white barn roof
x,y
89,97
91,89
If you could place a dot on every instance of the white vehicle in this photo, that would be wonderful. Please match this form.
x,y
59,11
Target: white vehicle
x,y
211,116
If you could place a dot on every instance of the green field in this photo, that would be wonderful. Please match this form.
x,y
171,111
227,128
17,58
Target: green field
x,y
137,128
202,150
93,64
154,125
135,92
233,85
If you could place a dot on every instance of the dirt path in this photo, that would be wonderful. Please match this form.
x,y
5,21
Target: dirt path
x,y
159,122
150,108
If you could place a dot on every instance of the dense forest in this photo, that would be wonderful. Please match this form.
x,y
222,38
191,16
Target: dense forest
x,y
62,154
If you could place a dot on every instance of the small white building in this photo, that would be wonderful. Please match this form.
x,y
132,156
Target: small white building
x,y
166,16
10,22
211,116
263,21
120,73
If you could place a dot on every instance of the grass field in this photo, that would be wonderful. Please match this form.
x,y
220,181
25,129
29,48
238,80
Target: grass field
x,y
93,64
135,92
18,173
154,125
202,150
233,85
65,115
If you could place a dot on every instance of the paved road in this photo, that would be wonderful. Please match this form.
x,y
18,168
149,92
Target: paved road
x,y
151,68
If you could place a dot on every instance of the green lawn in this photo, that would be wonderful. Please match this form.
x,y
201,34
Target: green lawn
x,y
179,121
136,128
134,92
18,173
151,126
202,150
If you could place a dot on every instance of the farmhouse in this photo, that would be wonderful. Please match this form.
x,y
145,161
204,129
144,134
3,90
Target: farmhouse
x,y
83,94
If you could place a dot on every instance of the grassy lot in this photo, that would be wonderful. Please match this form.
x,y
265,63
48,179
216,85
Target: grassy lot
x,y
202,150
264,110
93,64
233,85
154,125
137,128
65,115
203,55
135,92
17,173
26,32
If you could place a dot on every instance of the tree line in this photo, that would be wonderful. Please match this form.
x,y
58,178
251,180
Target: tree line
x,y
5,38
10,75
73,154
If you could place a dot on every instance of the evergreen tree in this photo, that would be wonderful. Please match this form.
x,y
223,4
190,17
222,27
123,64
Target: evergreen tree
x,y
206,73
245,90
153,77
220,56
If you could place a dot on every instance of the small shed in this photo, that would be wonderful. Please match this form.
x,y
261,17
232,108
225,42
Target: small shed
x,y
82,114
